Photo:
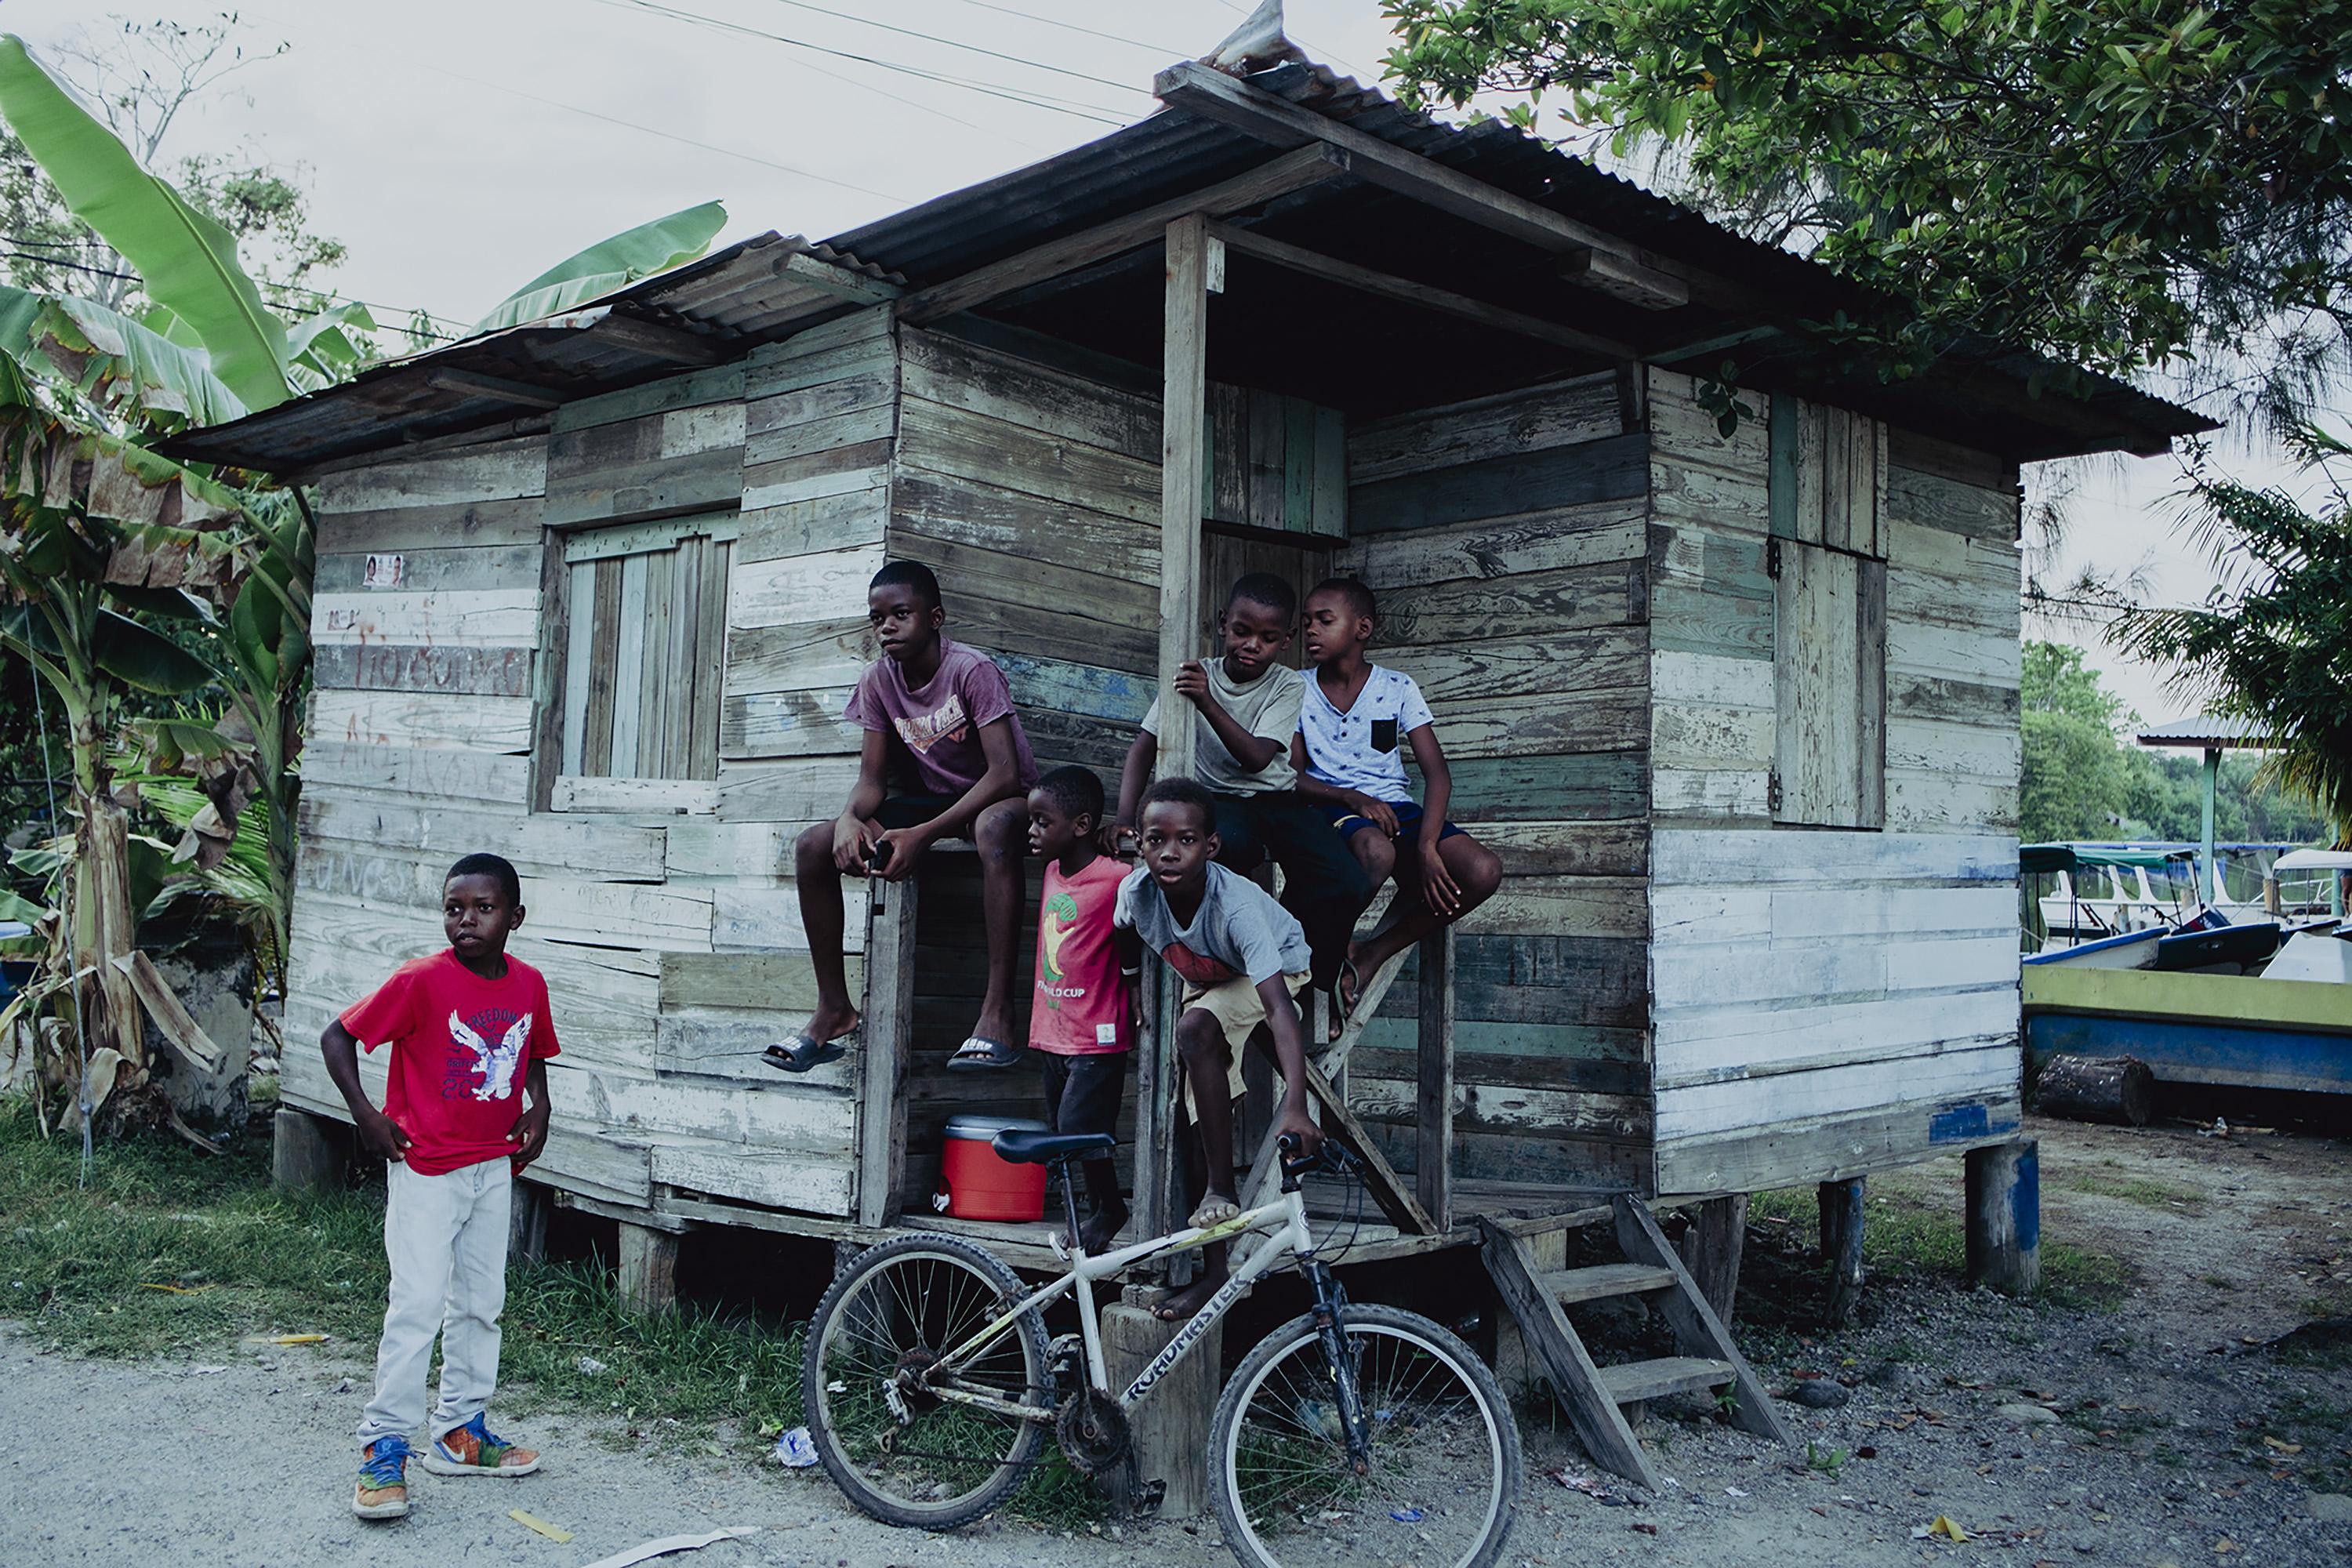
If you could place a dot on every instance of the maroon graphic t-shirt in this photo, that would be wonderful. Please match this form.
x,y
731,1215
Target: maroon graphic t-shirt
x,y
461,1047
939,721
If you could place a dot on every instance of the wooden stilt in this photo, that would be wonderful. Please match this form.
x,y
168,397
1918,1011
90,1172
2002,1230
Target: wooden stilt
x,y
647,1274
1171,1430
887,1040
2004,1197
1433,1165
527,1223
1842,1246
1711,1250
305,1151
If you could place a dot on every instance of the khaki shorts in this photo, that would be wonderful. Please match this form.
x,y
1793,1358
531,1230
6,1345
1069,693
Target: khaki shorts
x,y
1238,1010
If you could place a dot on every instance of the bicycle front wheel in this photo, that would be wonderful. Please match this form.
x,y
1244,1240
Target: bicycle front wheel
x,y
1444,1474
902,1454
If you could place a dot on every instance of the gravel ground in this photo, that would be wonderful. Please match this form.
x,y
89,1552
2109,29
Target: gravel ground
x,y
2164,1431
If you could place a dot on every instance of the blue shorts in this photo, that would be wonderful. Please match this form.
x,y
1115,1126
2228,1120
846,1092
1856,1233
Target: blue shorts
x,y
1408,815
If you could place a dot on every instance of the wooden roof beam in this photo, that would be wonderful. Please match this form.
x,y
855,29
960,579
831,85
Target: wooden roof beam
x,y
843,283
498,388
1404,291
1212,95
1307,166
661,341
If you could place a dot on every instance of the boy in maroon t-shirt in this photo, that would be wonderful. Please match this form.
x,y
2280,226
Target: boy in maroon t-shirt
x,y
939,716
465,1110
1082,1019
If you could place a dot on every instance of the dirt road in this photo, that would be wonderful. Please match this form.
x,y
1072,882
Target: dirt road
x,y
2161,1428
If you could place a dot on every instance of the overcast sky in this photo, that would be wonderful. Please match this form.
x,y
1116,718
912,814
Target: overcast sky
x,y
459,149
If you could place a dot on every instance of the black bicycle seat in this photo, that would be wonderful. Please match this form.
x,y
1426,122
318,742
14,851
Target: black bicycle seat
x,y
1043,1148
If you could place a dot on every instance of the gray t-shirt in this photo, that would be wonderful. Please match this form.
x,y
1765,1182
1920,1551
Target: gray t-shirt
x,y
1266,706
1239,929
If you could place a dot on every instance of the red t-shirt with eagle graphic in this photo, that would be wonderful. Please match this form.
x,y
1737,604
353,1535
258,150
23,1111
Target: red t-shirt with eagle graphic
x,y
1081,1007
461,1047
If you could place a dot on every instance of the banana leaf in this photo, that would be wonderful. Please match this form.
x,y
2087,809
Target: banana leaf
x,y
187,261
333,340
100,349
611,264
146,659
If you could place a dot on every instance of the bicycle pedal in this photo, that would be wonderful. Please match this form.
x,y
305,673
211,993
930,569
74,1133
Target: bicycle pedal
x,y
1147,1498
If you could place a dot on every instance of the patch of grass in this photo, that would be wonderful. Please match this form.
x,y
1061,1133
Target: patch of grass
x,y
81,1265
1903,1237
75,1263
2147,1192
2309,1436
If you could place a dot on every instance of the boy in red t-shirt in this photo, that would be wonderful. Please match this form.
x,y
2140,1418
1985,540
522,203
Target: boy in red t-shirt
x,y
470,1033
1082,1018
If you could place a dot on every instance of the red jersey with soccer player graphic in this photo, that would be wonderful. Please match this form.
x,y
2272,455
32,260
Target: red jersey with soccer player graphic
x,y
1080,1007
462,1046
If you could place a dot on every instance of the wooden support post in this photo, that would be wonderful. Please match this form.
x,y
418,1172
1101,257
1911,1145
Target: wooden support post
x,y
1711,1249
1185,416
2004,1188
527,1223
1433,1167
1842,1246
647,1278
303,1150
1184,396
1171,1430
883,1050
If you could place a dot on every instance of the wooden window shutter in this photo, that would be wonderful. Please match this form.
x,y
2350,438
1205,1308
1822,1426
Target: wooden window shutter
x,y
1827,559
644,637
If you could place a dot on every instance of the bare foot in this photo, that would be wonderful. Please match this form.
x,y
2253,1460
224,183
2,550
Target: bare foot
x,y
1183,1303
831,1023
997,1026
1101,1229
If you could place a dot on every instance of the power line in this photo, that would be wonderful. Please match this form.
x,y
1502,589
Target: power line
x,y
665,135
1163,50
33,247
1096,112
956,44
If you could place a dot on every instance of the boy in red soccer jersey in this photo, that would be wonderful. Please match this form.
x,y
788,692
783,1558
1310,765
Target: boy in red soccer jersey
x,y
465,1110
1082,1018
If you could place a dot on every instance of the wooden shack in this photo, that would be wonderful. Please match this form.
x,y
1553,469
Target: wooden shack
x,y
1736,700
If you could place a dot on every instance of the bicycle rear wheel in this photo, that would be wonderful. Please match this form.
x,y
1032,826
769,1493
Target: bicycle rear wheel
x,y
905,1457
1444,1475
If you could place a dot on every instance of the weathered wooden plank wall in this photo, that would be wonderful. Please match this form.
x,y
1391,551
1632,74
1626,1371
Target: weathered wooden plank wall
x,y
1824,1000
1506,541
672,942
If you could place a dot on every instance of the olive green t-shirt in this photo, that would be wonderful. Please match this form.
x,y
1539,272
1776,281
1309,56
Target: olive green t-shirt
x,y
1267,706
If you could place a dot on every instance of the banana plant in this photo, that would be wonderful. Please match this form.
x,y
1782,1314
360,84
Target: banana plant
x,y
94,530
98,533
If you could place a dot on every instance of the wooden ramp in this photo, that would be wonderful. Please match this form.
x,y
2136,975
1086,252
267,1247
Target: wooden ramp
x,y
1596,1397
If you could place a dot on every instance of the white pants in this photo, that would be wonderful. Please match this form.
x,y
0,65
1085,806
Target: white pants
x,y
446,1237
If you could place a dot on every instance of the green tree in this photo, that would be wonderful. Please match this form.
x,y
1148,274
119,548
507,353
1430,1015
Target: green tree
x,y
2272,645
2075,782
139,76
2116,182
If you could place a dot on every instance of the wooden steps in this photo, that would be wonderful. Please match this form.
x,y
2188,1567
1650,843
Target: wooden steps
x,y
1596,1397
1603,1280
1634,1381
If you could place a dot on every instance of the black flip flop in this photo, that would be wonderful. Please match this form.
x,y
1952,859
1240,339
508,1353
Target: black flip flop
x,y
802,1052
980,1053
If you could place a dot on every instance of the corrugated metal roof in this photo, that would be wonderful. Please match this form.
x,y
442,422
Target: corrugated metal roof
x,y
743,296
2211,729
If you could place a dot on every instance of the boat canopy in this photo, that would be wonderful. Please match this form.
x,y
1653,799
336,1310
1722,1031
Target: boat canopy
x,y
2047,858
2314,860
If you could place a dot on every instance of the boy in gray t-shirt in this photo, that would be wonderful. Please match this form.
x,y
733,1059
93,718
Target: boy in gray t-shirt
x,y
1243,960
1243,708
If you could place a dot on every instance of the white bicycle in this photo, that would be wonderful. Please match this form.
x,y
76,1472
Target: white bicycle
x,y
1353,1433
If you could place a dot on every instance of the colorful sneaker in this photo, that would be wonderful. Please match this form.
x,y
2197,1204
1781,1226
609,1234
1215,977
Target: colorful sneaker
x,y
383,1490
470,1450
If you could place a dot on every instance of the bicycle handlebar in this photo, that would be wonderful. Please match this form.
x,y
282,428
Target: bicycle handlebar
x,y
1331,1159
